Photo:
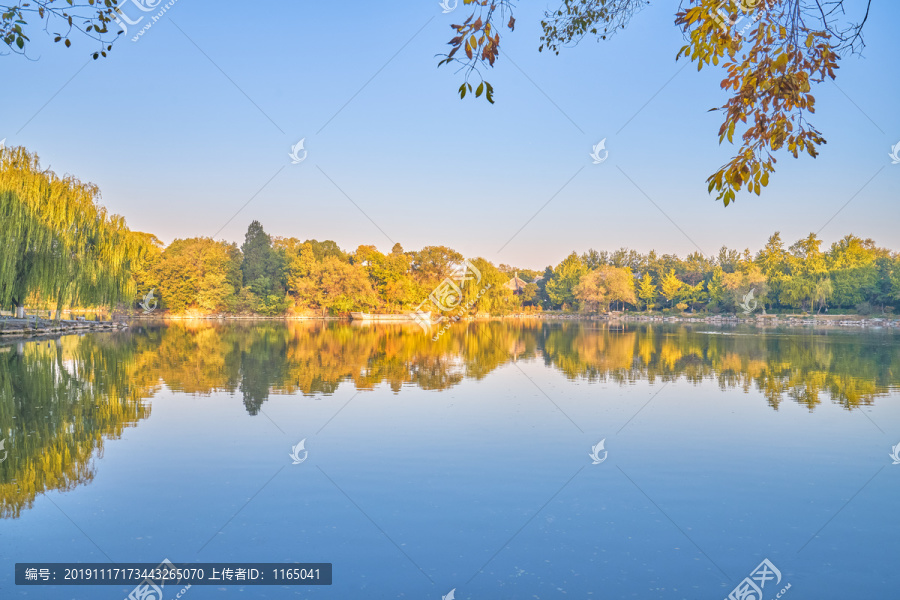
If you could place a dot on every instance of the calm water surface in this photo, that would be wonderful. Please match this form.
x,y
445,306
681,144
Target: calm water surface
x,y
463,463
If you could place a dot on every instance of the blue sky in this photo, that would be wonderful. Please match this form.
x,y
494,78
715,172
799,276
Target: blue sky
x,y
196,120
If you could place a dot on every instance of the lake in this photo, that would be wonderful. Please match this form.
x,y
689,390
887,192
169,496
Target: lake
x,y
470,464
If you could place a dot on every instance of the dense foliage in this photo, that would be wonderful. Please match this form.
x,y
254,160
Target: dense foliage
x,y
57,244
284,275
275,276
59,247
853,274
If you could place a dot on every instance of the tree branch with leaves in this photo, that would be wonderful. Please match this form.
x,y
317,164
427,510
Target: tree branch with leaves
x,y
772,53
91,18
479,39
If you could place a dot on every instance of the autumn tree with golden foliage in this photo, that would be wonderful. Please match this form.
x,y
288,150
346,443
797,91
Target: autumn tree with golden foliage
x,y
771,51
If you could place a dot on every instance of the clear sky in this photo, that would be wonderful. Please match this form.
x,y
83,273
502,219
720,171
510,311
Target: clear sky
x,y
196,119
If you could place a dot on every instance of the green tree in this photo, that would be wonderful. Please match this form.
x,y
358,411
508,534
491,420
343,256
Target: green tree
x,y
806,268
391,276
605,285
543,299
888,285
592,293
893,275
853,271
143,269
647,291
593,259
344,287
530,294
670,287
199,274
729,259
741,283
489,295
402,294
56,242
321,250
566,275
263,270
823,291
773,260
432,264
715,287
693,294
328,285
696,267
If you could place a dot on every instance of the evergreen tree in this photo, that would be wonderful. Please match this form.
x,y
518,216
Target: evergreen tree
x,y
262,270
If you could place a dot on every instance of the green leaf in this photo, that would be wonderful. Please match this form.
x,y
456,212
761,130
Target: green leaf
x,y
479,89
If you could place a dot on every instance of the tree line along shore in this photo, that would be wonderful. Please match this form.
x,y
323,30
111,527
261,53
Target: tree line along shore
x,y
60,250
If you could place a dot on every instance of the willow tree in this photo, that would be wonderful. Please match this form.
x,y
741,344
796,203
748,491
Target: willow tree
x,y
57,244
59,404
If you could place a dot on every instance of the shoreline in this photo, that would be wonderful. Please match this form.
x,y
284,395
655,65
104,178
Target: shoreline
x,y
35,328
764,320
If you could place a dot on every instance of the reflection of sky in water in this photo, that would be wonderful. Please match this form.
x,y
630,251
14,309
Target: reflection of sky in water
x,y
489,473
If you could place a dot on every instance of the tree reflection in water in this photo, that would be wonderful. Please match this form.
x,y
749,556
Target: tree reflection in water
x,y
60,400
